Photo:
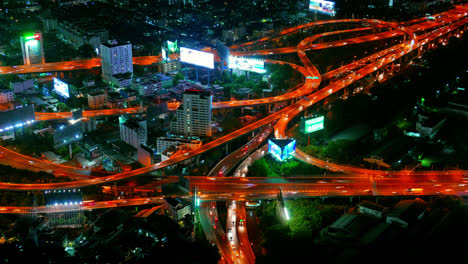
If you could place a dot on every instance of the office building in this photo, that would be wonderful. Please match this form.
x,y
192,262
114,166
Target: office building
x,y
133,131
97,99
31,47
193,118
117,63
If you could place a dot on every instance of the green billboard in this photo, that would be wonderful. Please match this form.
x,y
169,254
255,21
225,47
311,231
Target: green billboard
x,y
313,124
172,46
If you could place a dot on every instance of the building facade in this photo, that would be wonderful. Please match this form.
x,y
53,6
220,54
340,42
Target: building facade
x,y
97,99
163,143
169,66
117,62
6,96
133,131
177,208
193,118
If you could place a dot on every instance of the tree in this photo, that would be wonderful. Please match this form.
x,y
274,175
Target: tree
x,y
260,168
260,86
305,217
86,51
179,76
138,70
63,107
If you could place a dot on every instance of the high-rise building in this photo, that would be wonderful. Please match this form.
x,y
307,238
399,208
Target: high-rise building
x,y
117,63
133,131
31,47
193,118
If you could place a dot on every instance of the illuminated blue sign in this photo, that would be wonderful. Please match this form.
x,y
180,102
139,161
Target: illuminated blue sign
x,y
281,149
61,88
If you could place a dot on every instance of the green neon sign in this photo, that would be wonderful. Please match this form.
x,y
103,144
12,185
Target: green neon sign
x,y
314,124
172,46
36,36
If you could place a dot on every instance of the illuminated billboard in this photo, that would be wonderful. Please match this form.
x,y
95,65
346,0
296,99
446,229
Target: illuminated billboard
x,y
61,88
281,149
326,7
246,64
172,46
310,125
196,57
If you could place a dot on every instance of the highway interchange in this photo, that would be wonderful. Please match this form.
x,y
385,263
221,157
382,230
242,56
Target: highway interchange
x,y
418,35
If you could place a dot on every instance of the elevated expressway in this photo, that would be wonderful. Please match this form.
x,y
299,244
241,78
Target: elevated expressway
x,y
373,64
260,188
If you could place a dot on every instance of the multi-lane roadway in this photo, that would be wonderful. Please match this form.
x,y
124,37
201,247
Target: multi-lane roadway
x,y
285,114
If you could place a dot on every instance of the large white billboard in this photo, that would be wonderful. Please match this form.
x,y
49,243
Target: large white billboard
x,y
327,7
246,64
196,57
61,88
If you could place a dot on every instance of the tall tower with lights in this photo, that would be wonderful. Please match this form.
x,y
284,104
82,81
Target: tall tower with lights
x,y
31,47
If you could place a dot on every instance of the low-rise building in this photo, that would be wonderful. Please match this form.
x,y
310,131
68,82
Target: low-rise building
x,y
80,32
169,66
406,212
163,143
150,86
429,125
372,209
67,133
6,96
22,86
177,208
90,150
88,124
19,116
97,99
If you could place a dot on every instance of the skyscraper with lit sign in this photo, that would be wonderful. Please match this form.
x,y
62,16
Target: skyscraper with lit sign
x,y
31,47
